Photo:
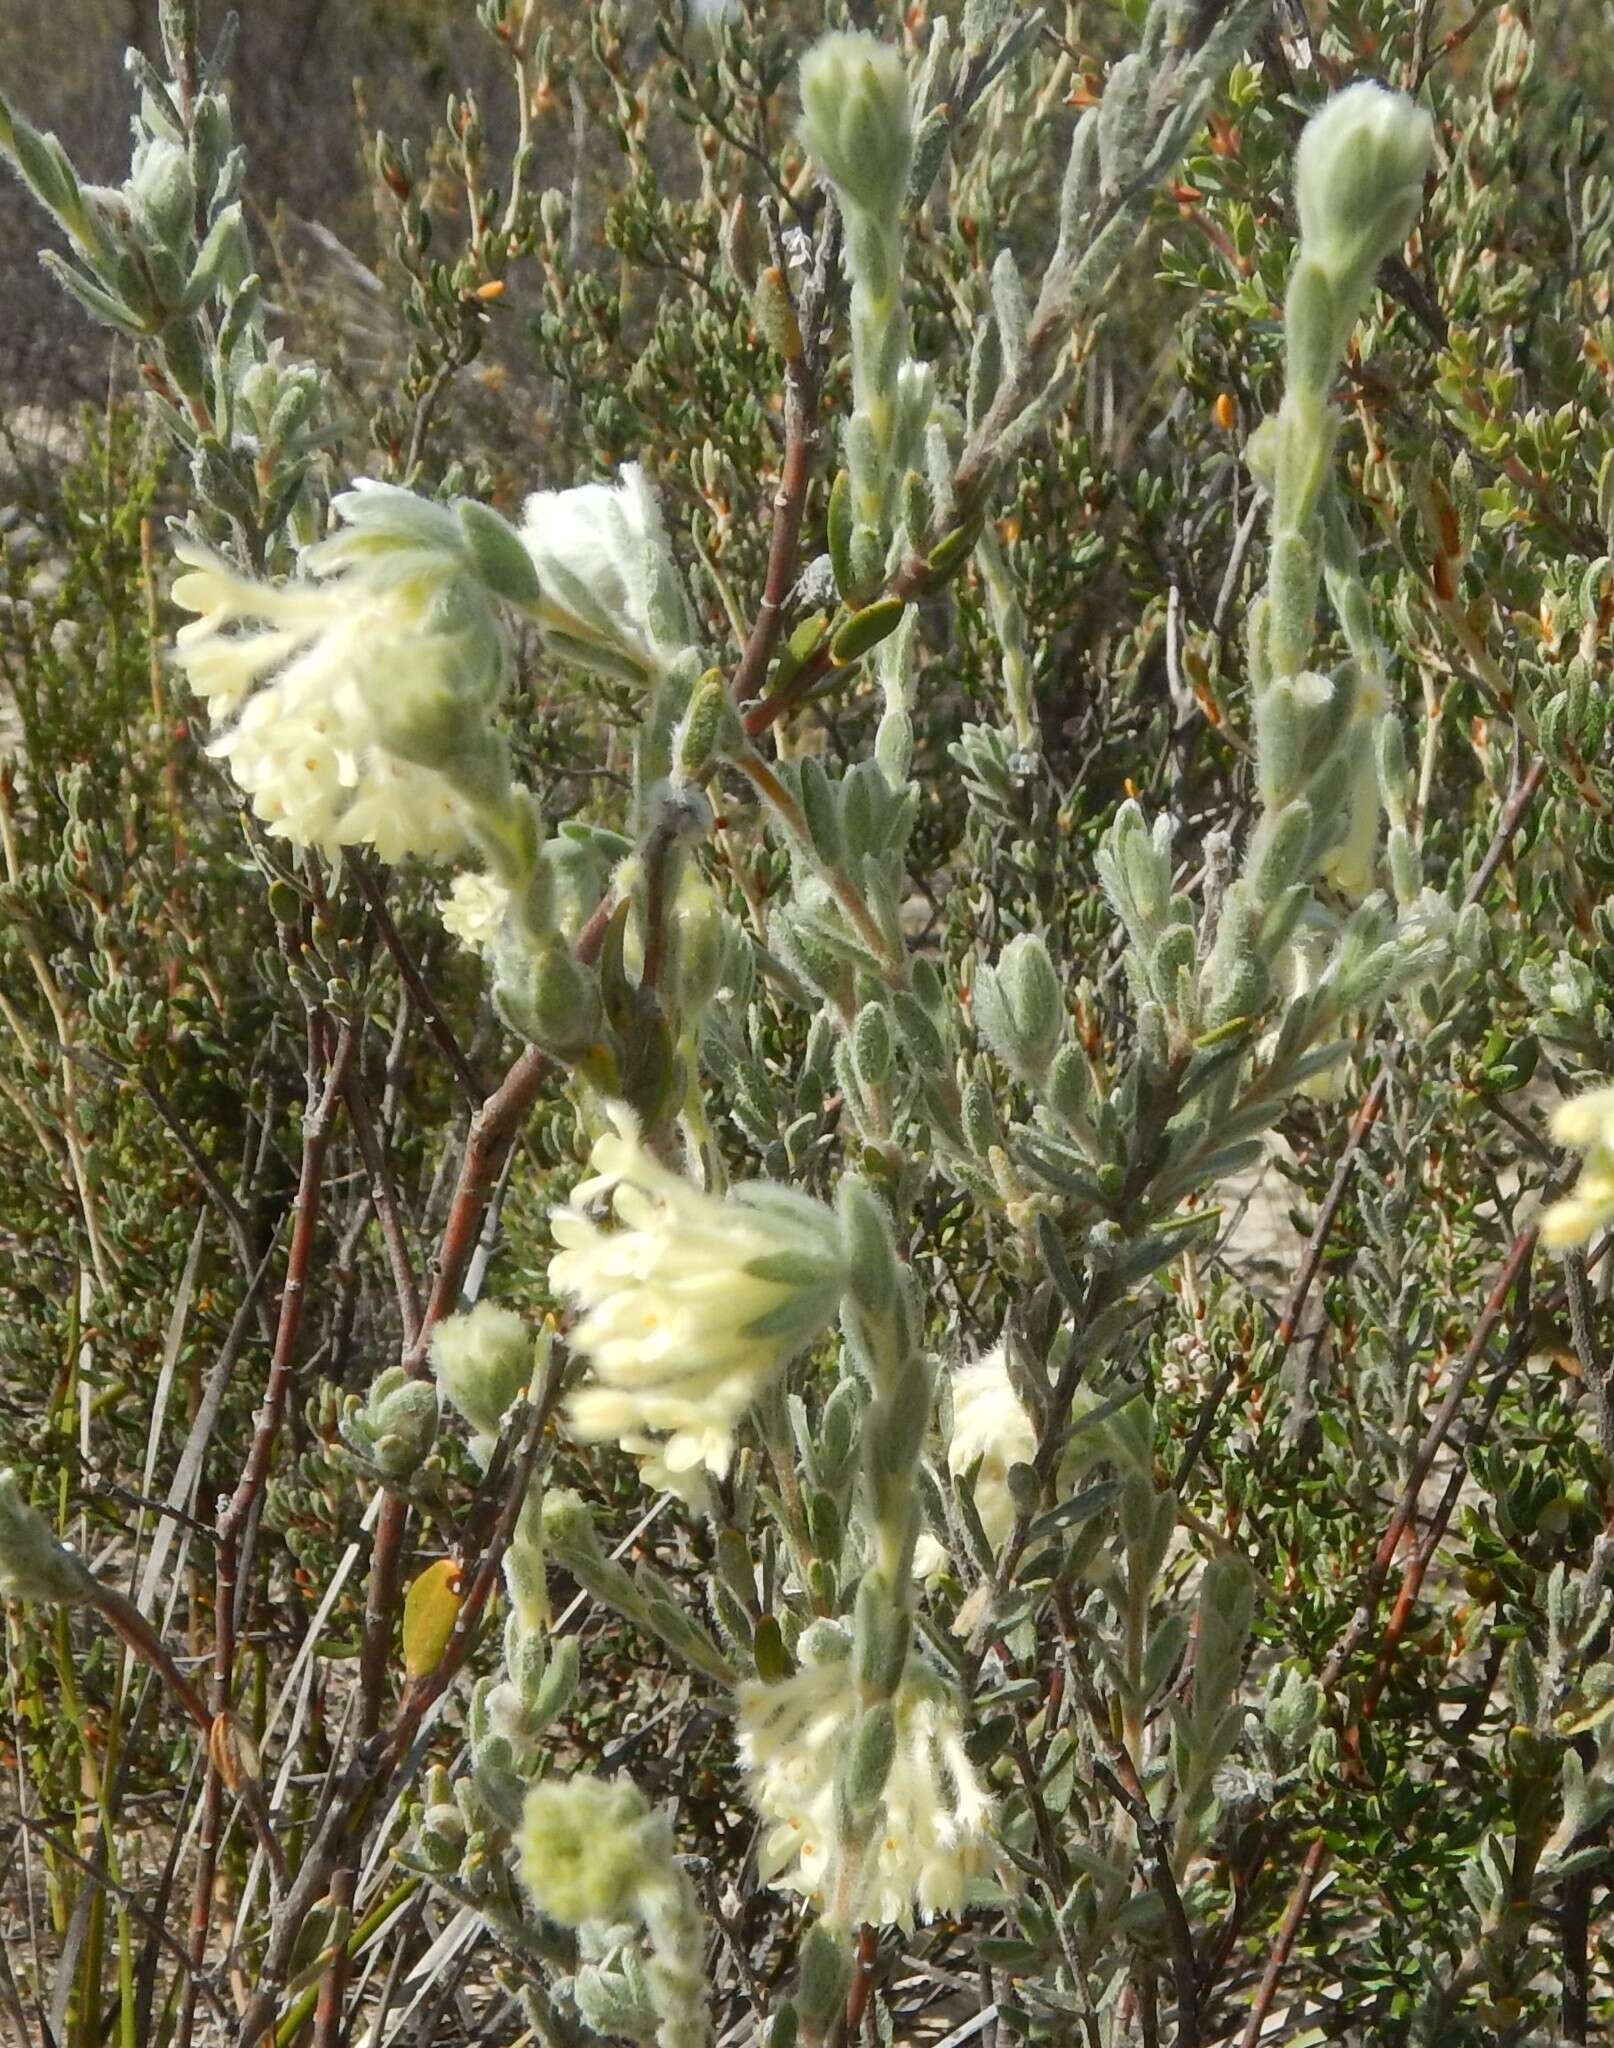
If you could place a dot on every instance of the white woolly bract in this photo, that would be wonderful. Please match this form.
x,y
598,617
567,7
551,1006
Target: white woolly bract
x,y
690,1304
597,550
930,1831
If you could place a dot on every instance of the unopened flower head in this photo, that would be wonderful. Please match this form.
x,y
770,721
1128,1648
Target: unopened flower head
x,y
1587,1123
1359,176
609,596
586,1845
857,118
474,909
1300,969
314,682
482,1360
691,1304
930,1833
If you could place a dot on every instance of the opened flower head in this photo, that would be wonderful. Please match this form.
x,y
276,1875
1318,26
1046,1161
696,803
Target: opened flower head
x,y
1587,1123
930,1835
689,1304
304,679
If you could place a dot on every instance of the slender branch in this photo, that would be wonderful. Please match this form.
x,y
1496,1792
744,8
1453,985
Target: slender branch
x,y
333,1985
1514,1266
371,1772
494,1130
1293,1919
802,375
409,973
1514,1273
385,1202
1127,1788
318,1126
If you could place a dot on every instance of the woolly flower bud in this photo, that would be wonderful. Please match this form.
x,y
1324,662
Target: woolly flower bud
x,y
1359,176
474,909
857,119
692,1305
929,1833
990,1423
586,1846
1587,1123
482,1360
33,1565
609,597
347,692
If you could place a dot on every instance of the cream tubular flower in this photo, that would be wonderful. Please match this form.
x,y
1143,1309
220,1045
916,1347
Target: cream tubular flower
x,y
304,679
474,909
931,1834
690,1305
1587,1123
609,595
990,1423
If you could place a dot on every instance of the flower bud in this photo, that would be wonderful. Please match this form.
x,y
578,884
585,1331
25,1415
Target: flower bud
x,y
497,554
1359,176
549,998
585,1847
608,596
825,1973
482,1360
163,195
857,119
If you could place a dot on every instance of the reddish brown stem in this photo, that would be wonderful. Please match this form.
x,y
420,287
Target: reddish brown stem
x,y
850,2022
1294,1917
795,474
413,980
232,1523
1518,1258
494,1130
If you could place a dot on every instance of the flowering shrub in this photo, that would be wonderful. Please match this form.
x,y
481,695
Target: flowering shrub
x,y
705,1452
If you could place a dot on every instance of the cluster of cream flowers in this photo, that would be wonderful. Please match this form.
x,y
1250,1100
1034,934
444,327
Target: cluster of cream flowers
x,y
474,909
297,676
690,1304
990,1423
312,684
930,1836
1587,1123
